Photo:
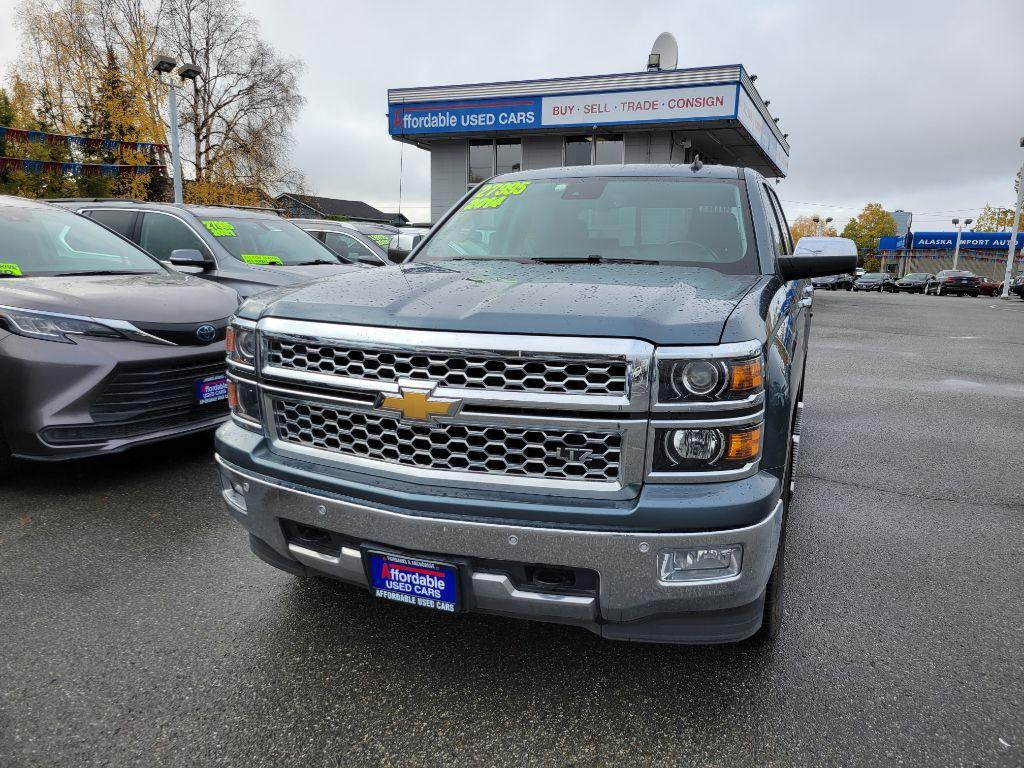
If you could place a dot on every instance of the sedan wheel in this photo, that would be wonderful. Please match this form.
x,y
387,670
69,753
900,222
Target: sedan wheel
x,y
938,290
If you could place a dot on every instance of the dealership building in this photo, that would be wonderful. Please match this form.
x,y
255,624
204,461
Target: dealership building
x,y
662,116
983,253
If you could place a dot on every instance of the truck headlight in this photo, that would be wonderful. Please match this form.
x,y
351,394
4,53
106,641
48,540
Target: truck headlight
x,y
709,379
706,449
241,343
244,401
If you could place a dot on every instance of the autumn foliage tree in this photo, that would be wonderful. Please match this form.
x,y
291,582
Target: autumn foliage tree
x,y
804,226
870,224
86,66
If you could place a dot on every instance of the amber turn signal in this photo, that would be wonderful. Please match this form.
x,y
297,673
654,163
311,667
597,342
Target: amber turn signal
x,y
743,446
746,375
229,339
232,395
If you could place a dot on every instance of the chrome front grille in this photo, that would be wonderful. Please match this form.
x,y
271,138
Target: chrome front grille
x,y
546,453
453,369
547,415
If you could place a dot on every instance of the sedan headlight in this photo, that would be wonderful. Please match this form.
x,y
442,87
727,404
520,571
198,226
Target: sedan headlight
x,y
53,326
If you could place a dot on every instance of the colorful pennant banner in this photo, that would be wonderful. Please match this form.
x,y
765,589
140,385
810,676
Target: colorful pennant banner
x,y
78,142
78,169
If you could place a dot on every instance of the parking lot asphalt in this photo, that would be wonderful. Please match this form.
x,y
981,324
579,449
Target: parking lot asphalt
x,y
137,629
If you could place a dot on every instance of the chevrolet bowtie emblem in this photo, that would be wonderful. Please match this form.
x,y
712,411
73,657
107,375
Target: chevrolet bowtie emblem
x,y
416,404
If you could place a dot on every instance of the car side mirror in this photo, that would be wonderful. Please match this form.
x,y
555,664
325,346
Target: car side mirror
x,y
400,246
189,257
819,256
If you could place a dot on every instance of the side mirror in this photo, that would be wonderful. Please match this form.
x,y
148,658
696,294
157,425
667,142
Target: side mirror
x,y
819,256
400,246
189,257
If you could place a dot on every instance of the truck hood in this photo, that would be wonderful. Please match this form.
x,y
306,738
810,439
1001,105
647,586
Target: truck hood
x,y
271,274
663,304
155,298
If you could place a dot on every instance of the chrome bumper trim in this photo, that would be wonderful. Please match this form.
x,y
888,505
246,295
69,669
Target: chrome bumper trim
x,y
626,563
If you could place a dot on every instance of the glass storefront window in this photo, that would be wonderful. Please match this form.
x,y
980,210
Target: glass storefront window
x,y
578,150
481,162
609,150
508,156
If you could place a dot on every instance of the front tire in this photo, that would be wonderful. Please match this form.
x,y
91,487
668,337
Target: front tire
x,y
938,290
7,462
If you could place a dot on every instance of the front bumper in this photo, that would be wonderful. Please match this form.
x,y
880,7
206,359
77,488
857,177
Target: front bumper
x,y
630,601
48,388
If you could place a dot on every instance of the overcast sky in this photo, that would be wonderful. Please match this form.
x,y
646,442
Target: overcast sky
x,y
917,105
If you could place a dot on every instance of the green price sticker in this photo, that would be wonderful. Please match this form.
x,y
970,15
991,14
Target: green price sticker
x,y
259,259
220,228
381,240
10,268
493,195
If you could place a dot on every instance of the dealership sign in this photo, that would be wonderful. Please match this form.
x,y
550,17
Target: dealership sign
x,y
711,102
940,241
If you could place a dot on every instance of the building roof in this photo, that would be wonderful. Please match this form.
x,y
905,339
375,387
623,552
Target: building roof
x,y
329,206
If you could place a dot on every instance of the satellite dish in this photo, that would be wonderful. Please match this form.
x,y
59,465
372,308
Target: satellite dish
x,y
664,53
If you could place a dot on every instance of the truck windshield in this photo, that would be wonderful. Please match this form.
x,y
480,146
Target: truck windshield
x,y
268,242
701,223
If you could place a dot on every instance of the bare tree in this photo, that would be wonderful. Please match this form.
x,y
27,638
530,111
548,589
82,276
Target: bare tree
x,y
239,115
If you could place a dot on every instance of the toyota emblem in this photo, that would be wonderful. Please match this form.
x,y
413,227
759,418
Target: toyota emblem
x,y
206,333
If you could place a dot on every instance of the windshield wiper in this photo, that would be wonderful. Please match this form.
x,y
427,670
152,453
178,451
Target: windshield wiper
x,y
8,274
314,262
591,259
107,272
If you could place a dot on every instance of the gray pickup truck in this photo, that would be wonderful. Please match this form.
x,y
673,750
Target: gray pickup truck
x,y
579,402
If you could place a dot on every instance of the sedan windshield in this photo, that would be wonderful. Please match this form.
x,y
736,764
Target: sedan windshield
x,y
873,276
701,223
916,276
50,241
269,241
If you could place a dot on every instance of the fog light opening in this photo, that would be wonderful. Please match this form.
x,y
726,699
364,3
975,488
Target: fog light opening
x,y
700,563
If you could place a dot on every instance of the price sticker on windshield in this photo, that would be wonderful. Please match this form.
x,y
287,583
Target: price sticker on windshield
x,y
381,240
10,268
493,195
260,259
220,228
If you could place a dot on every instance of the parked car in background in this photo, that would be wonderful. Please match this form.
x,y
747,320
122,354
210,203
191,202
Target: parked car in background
x,y
249,250
913,282
833,282
346,241
101,346
405,242
953,281
380,233
1016,287
858,272
989,287
875,281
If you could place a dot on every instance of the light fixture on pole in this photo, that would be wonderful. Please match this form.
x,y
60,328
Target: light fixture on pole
x,y
827,222
164,65
959,229
817,224
1008,275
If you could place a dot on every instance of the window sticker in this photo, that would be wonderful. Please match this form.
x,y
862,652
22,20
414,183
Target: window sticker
x,y
381,240
10,268
220,228
493,195
260,259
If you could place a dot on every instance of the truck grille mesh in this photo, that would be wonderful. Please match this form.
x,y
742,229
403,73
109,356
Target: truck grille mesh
x,y
515,374
554,454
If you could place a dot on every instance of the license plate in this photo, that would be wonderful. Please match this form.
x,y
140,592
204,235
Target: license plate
x,y
211,389
415,581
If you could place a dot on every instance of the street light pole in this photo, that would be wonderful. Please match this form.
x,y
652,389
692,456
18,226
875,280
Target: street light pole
x,y
172,110
956,248
1008,275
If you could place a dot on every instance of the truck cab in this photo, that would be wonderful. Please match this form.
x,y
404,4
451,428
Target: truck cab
x,y
578,401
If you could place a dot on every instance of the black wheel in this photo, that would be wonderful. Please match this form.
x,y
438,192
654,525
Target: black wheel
x,y
7,463
938,290
771,620
849,287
